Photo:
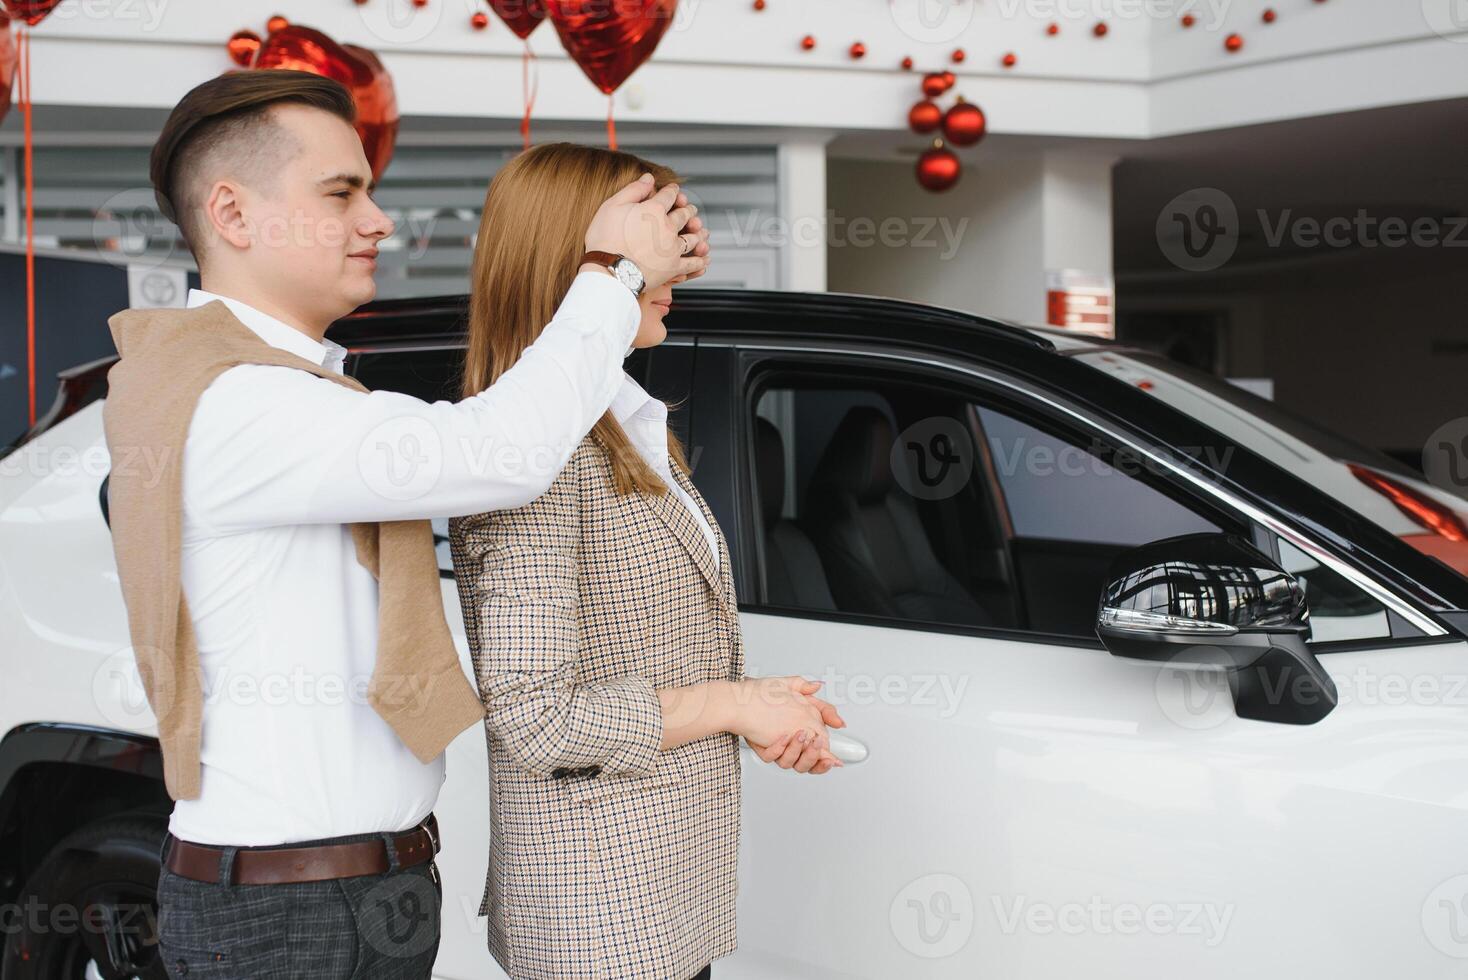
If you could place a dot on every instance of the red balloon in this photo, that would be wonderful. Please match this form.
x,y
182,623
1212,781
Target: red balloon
x,y
938,169
964,124
610,40
30,11
924,117
520,16
304,49
243,46
7,64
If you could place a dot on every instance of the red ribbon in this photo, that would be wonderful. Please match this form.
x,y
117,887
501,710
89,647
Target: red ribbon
x,y
529,90
611,123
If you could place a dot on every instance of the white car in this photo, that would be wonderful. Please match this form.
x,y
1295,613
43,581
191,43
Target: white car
x,y
1151,680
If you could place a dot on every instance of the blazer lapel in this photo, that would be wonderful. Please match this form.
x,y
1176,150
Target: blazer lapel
x,y
671,511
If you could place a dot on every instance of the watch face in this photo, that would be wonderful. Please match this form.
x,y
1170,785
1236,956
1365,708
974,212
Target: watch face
x,y
626,270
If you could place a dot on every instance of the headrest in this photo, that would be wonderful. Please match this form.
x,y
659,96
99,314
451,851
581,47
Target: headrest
x,y
769,463
858,458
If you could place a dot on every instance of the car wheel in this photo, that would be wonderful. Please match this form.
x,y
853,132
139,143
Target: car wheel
x,y
89,912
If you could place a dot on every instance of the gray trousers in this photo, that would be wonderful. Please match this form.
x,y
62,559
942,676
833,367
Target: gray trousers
x,y
384,927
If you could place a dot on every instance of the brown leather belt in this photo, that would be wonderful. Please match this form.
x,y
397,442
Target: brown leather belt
x,y
287,865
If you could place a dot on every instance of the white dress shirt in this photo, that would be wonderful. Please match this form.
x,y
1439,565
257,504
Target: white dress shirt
x,y
645,420
276,464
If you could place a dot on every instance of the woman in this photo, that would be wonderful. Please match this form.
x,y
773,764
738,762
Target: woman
x,y
605,637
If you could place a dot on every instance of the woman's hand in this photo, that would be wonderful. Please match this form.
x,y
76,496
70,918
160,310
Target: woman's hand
x,y
785,723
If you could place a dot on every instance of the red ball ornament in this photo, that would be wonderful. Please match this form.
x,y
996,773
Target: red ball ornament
x,y
958,56
949,80
938,168
1101,30
858,50
924,117
276,23
420,3
807,43
964,124
759,4
934,85
1269,16
1053,30
1234,43
1009,60
1189,20
907,64
243,46
479,21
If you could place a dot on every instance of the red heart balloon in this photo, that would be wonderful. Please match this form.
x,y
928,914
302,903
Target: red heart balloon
x,y
304,49
610,39
521,16
7,64
30,11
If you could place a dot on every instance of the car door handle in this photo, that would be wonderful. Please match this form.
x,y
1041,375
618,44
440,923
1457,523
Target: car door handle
x,y
843,747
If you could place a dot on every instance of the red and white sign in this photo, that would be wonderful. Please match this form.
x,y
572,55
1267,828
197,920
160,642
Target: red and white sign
x,y
1081,301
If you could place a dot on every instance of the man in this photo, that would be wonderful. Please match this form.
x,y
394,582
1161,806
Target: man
x,y
283,600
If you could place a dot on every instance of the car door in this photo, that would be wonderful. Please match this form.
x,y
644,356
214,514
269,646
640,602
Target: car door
x,y
1033,806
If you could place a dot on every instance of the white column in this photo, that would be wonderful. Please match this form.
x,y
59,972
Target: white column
x,y
800,180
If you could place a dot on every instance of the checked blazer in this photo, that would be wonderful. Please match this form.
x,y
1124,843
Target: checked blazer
x,y
608,857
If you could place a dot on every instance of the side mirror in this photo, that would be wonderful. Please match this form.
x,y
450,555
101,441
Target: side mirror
x,y
1214,602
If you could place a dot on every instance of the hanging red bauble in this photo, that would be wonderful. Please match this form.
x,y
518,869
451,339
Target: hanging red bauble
x,y
858,50
949,79
958,56
243,46
610,41
934,85
276,24
479,21
8,56
1234,43
924,117
1009,60
1269,16
1101,30
520,16
964,124
420,3
807,43
759,4
1189,20
304,49
1053,30
30,11
907,64
938,168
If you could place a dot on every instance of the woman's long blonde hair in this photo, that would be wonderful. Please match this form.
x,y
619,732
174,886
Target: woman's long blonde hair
x,y
531,239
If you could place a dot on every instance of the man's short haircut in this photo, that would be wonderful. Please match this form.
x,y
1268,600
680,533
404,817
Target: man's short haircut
x,y
231,113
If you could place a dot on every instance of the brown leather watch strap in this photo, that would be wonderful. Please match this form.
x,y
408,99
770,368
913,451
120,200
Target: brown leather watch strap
x,y
607,259
287,865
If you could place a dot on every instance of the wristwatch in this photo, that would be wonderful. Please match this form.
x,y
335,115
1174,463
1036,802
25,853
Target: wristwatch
x,y
620,266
